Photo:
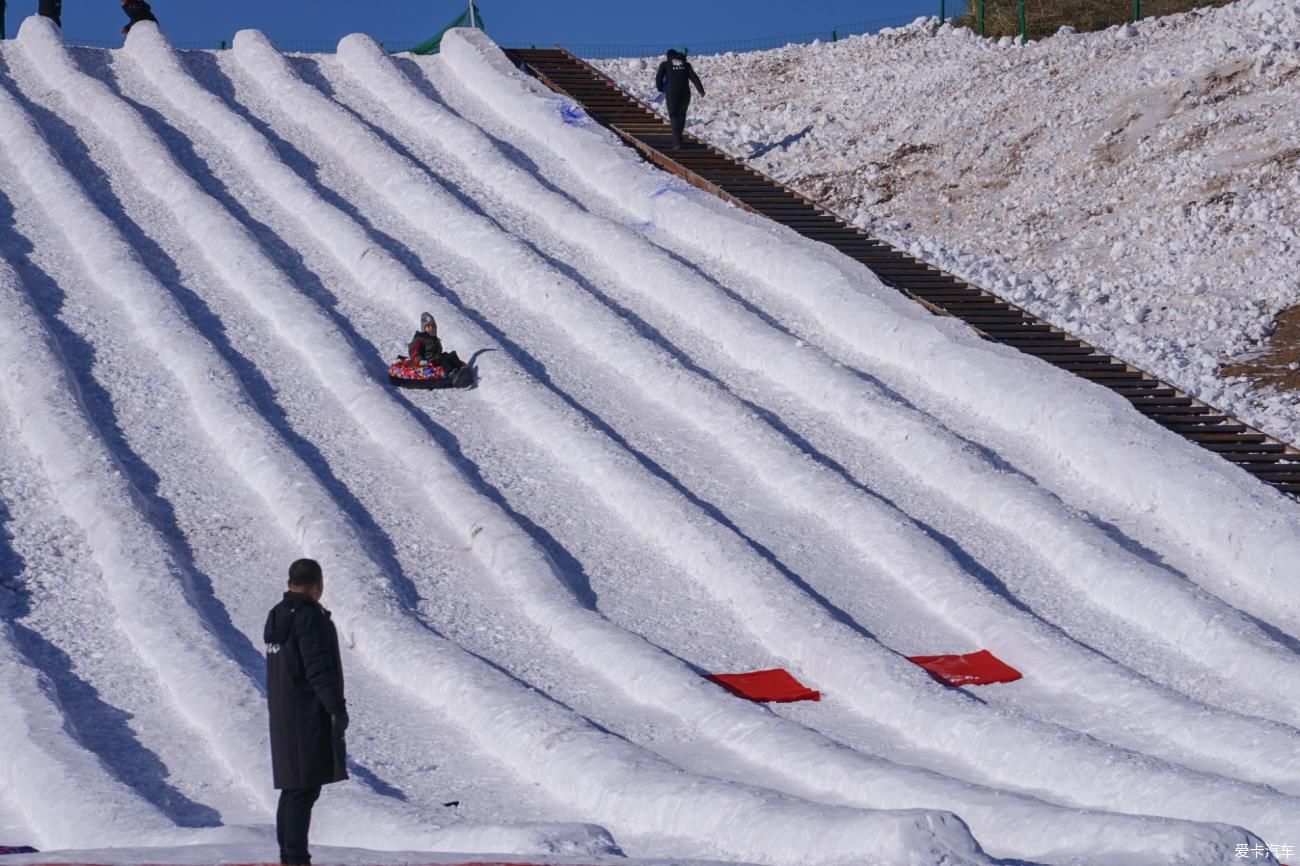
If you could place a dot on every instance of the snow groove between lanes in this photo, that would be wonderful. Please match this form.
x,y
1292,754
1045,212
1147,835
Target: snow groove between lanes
x,y
677,690
42,763
1085,556
141,575
546,742
714,558
353,815
1252,531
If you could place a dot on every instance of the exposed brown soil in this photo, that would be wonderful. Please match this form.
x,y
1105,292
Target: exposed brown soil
x,y
907,150
1278,365
1045,17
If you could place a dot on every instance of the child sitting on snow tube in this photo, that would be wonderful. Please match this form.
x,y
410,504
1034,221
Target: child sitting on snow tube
x,y
426,365
426,348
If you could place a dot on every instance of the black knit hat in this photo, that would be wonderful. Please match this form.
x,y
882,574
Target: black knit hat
x,y
426,319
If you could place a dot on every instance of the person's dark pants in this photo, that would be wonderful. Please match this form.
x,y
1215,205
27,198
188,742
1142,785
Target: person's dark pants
x,y
677,117
292,822
53,9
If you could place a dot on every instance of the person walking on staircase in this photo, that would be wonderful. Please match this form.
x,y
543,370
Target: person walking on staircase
x,y
674,80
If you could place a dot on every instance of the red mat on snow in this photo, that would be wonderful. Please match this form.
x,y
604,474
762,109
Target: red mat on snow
x,y
776,685
972,669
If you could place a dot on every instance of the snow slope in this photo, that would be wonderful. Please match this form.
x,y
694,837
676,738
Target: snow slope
x,y
700,443
1137,186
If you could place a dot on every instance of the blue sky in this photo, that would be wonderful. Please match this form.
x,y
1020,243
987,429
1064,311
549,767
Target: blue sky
x,y
509,21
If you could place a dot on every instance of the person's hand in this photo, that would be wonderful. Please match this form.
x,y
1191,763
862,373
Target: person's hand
x,y
340,723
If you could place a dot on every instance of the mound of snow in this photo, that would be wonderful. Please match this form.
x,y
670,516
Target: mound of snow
x,y
1137,186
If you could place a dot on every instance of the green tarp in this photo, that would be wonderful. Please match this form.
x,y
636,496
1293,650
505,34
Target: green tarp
x,y
433,43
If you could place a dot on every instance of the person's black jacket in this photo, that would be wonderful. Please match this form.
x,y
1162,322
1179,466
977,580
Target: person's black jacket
x,y
304,690
675,77
424,347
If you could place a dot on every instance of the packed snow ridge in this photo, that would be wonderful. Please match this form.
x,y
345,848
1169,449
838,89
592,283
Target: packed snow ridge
x,y
1137,186
699,444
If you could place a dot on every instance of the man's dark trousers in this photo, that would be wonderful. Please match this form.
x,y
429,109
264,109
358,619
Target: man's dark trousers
x,y
49,8
677,109
53,9
292,821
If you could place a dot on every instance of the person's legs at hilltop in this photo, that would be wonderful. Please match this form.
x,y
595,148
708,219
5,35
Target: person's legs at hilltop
x,y
53,9
137,11
677,117
293,822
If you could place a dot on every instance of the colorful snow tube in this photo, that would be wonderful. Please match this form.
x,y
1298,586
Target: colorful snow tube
x,y
404,374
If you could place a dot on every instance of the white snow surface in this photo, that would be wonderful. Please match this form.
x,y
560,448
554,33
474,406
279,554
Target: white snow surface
x,y
699,444
1137,186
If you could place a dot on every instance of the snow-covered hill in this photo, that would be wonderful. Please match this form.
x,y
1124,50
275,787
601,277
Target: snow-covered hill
x,y
699,444
1137,186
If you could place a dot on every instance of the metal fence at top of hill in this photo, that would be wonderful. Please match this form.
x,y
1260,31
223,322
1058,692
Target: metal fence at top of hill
x,y
292,46
1027,19
606,50
589,50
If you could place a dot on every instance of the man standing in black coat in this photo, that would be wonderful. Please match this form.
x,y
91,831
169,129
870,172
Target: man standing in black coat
x,y
674,80
304,688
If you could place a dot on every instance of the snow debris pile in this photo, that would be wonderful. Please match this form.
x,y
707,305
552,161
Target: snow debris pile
x,y
1137,186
